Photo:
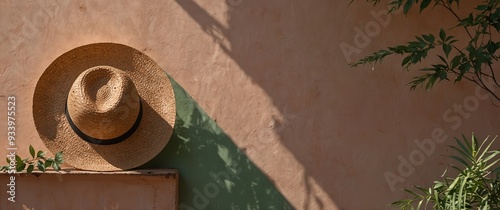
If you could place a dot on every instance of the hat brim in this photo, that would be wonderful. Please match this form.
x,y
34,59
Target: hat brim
x,y
153,86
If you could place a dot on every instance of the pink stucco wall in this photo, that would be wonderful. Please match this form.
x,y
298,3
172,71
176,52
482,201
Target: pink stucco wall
x,y
274,77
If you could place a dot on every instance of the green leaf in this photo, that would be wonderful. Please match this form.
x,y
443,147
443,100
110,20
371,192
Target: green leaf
x,y
442,35
485,150
470,147
460,160
450,41
455,61
18,159
461,189
413,193
491,156
48,163
474,145
20,167
41,166
59,158
424,190
40,154
443,75
403,202
492,48
32,151
444,60
407,6
438,184
464,68
463,153
420,40
447,49
482,7
406,60
424,4
429,38
30,169
56,166
452,185
490,165
420,204
431,82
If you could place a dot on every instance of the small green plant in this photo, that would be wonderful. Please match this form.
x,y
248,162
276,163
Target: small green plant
x,y
477,185
37,159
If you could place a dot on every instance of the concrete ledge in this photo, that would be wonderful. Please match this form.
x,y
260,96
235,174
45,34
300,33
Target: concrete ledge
x,y
74,189
154,172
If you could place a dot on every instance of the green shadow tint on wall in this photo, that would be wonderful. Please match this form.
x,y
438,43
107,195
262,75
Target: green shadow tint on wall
x,y
214,174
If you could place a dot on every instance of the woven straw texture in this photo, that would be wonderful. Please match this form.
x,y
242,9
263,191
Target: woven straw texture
x,y
152,85
103,102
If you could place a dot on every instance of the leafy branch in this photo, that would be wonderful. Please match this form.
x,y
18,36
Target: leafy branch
x,y
37,159
474,62
477,185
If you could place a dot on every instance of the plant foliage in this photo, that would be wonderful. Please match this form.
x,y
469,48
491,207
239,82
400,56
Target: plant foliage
x,y
477,185
37,160
472,62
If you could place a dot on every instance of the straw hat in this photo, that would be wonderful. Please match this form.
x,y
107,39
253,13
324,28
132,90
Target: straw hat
x,y
106,106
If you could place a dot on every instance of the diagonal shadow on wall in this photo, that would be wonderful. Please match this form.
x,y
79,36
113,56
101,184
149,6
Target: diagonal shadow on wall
x,y
254,40
214,174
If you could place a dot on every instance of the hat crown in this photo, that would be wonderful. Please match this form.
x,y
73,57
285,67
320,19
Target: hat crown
x,y
103,102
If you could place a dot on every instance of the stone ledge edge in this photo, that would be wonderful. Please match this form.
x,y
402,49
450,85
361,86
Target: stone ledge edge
x,y
148,172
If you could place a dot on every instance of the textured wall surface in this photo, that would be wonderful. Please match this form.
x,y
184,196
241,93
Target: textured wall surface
x,y
273,76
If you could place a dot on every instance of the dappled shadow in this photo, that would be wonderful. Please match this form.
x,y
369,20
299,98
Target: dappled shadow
x,y
269,43
214,174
